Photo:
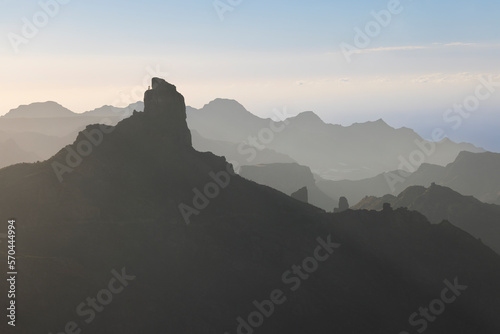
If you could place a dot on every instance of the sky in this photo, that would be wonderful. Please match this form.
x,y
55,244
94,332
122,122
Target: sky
x,y
407,62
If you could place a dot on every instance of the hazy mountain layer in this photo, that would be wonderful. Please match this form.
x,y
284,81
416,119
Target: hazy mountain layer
x,y
288,178
332,151
472,174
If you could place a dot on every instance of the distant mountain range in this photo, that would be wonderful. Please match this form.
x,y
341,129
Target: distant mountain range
x,y
39,130
475,174
202,250
333,151
439,203
230,151
48,109
225,127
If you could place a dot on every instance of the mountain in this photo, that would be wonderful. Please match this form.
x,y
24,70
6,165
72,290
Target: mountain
x,y
43,128
42,146
231,151
11,153
334,152
51,119
111,111
48,109
288,178
106,248
439,203
473,174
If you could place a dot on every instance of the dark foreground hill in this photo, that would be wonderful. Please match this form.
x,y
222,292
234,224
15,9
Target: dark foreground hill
x,y
439,203
103,247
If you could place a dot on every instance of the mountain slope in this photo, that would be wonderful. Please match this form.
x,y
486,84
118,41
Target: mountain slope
x,y
11,153
117,212
471,174
288,178
232,151
334,152
439,203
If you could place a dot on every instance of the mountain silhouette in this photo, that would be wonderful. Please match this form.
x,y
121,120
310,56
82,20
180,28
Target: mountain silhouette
x,y
439,203
116,210
112,112
48,109
11,153
231,151
471,174
288,177
335,152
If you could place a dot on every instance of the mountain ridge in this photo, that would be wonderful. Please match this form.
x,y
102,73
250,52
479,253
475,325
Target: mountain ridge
x,y
440,203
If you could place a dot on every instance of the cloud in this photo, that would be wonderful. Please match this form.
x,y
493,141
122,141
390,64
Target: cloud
x,y
461,44
393,48
433,46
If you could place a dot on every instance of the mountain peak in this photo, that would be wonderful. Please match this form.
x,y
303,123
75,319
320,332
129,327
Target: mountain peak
x,y
308,116
166,105
225,106
49,109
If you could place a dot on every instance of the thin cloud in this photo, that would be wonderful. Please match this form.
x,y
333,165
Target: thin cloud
x,y
425,47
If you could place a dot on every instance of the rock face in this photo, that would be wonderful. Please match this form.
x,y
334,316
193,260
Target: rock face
x,y
118,210
301,195
166,104
343,205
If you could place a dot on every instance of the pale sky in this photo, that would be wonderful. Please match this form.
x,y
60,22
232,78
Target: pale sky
x,y
417,63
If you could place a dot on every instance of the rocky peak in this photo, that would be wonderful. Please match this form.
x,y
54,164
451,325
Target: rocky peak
x,y
163,103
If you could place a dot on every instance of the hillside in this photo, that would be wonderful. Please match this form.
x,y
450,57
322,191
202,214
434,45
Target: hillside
x,y
288,178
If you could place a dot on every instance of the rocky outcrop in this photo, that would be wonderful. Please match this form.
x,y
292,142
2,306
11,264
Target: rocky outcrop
x,y
343,205
167,106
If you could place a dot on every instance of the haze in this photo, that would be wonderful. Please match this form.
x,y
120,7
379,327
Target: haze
x,y
265,55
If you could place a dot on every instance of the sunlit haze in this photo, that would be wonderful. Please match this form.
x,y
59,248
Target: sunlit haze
x,y
428,57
